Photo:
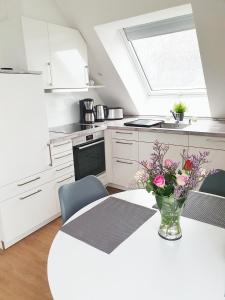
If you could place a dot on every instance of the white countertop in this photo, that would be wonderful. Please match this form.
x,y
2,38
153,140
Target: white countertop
x,y
201,127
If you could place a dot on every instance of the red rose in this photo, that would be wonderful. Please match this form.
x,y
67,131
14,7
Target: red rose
x,y
188,165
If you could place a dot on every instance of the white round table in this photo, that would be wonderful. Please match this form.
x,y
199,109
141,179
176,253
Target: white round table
x,y
144,266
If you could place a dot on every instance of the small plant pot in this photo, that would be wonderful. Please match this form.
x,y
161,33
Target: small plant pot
x,y
179,116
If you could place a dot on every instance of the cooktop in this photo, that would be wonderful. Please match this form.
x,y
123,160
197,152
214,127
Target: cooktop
x,y
143,123
70,128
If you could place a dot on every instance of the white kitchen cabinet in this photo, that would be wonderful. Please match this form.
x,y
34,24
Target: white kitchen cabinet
x,y
174,152
68,53
23,128
37,51
25,213
123,172
59,52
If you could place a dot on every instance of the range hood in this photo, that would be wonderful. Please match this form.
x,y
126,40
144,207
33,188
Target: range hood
x,y
15,71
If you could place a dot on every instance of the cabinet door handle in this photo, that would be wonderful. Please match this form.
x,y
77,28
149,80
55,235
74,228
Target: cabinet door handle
x,y
120,132
215,141
50,155
30,195
59,157
124,162
86,75
58,170
65,179
50,73
27,182
124,143
59,145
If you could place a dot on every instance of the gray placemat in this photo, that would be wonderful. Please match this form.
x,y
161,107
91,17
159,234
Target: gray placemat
x,y
108,224
205,208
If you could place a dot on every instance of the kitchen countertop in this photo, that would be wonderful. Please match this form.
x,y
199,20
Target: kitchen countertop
x,y
200,127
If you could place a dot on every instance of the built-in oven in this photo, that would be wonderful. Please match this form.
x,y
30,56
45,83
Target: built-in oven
x,y
89,157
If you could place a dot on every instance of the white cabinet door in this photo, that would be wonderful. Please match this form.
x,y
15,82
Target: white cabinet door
x,y
23,128
145,150
68,53
37,50
216,158
24,213
124,172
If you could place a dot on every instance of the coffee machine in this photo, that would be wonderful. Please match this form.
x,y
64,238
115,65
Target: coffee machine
x,y
87,115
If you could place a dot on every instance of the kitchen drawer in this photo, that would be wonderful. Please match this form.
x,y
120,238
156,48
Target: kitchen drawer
x,y
125,149
62,158
216,158
123,172
125,135
166,138
57,148
67,168
26,184
22,214
208,142
68,178
174,152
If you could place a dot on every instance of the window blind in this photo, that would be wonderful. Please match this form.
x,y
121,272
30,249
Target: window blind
x,y
167,26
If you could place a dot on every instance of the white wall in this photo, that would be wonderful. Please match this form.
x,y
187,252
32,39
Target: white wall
x,y
62,108
210,24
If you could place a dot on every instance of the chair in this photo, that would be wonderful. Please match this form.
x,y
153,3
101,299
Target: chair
x,y
214,184
76,195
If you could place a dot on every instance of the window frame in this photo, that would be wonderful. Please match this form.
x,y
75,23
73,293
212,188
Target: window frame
x,y
145,81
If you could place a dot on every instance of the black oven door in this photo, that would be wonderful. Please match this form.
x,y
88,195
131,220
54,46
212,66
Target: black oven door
x,y
89,158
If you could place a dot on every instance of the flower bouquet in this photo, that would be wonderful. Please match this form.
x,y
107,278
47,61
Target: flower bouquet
x,y
171,184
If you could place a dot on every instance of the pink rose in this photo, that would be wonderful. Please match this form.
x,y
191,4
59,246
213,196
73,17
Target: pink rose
x,y
159,181
168,163
182,179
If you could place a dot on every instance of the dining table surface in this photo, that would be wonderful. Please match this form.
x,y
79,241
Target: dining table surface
x,y
144,266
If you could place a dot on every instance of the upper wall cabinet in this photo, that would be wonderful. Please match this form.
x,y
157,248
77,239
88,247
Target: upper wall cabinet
x,y
59,52
68,54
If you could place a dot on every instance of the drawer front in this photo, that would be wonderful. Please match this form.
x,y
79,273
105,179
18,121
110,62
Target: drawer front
x,y
216,158
69,178
174,152
26,184
57,148
166,138
125,149
62,158
63,169
125,135
124,172
22,213
207,142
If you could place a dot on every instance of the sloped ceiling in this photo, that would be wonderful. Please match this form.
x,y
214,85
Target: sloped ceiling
x,y
209,18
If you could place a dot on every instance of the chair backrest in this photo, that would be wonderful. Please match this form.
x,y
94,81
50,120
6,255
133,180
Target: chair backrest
x,y
76,195
214,184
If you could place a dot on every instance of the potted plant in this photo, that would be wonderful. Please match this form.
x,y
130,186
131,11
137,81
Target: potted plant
x,y
170,184
178,111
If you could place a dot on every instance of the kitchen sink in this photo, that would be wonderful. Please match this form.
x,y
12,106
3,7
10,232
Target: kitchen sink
x,y
171,125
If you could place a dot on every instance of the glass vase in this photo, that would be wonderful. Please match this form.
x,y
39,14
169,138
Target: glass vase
x,y
170,209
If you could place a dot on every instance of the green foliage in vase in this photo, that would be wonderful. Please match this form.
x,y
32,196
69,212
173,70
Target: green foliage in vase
x,y
179,107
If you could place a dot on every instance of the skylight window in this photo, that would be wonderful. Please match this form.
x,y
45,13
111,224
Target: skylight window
x,y
167,54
